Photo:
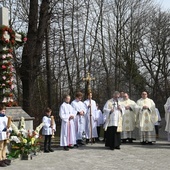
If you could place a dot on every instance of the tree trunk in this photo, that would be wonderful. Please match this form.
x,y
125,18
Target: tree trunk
x,y
32,50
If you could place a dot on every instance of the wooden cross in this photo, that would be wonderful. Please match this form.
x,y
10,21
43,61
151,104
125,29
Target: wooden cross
x,y
88,79
4,20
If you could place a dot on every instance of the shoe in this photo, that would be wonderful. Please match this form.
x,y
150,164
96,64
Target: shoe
x,y
66,148
123,140
150,143
51,150
130,141
70,146
7,161
117,147
143,143
46,151
2,164
76,145
111,148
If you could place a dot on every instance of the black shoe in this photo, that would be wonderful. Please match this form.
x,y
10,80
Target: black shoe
x,y
70,146
7,161
51,150
76,145
66,148
150,143
130,141
111,148
123,140
117,147
46,151
2,164
143,143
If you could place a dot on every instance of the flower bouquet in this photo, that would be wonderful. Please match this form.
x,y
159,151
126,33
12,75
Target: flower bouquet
x,y
24,142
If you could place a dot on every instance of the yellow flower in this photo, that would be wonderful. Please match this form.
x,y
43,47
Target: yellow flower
x,y
33,141
24,140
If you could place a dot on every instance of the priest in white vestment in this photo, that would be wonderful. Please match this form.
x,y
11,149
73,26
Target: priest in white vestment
x,y
113,124
146,118
79,120
167,117
67,115
129,119
91,129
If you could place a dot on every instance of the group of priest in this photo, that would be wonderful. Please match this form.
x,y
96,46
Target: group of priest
x,y
81,121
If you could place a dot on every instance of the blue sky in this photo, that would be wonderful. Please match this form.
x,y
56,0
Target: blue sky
x,y
165,4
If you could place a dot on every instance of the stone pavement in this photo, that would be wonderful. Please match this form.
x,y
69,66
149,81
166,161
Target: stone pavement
x,y
97,157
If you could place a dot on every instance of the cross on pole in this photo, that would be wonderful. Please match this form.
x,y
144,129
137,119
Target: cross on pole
x,y
88,79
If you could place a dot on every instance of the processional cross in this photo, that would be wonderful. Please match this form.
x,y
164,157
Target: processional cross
x,y
88,79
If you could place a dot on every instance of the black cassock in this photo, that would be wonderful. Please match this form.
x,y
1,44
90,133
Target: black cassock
x,y
113,138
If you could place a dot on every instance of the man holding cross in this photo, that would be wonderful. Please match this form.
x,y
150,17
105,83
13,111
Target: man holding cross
x,y
91,130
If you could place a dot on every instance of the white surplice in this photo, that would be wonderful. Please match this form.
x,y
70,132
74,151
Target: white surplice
x,y
3,126
67,135
47,129
91,129
167,117
99,119
80,121
112,118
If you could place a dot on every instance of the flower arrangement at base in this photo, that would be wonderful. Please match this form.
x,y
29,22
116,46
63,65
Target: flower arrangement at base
x,y
24,142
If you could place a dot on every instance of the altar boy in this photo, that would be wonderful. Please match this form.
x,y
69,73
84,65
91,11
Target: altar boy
x,y
48,130
4,132
67,115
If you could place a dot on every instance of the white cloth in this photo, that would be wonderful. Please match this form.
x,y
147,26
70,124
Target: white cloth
x,y
67,135
47,129
167,115
79,120
90,126
112,118
159,117
3,125
99,119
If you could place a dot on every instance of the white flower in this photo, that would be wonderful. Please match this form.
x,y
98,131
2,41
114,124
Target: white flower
x,y
15,139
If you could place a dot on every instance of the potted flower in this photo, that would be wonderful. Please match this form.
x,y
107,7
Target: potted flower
x,y
24,143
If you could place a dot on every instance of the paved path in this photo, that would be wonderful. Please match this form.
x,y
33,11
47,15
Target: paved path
x,y
97,157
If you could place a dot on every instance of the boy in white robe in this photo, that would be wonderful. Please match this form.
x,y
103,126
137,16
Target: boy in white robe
x,y
48,130
167,118
79,120
67,115
157,124
99,120
4,134
91,130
